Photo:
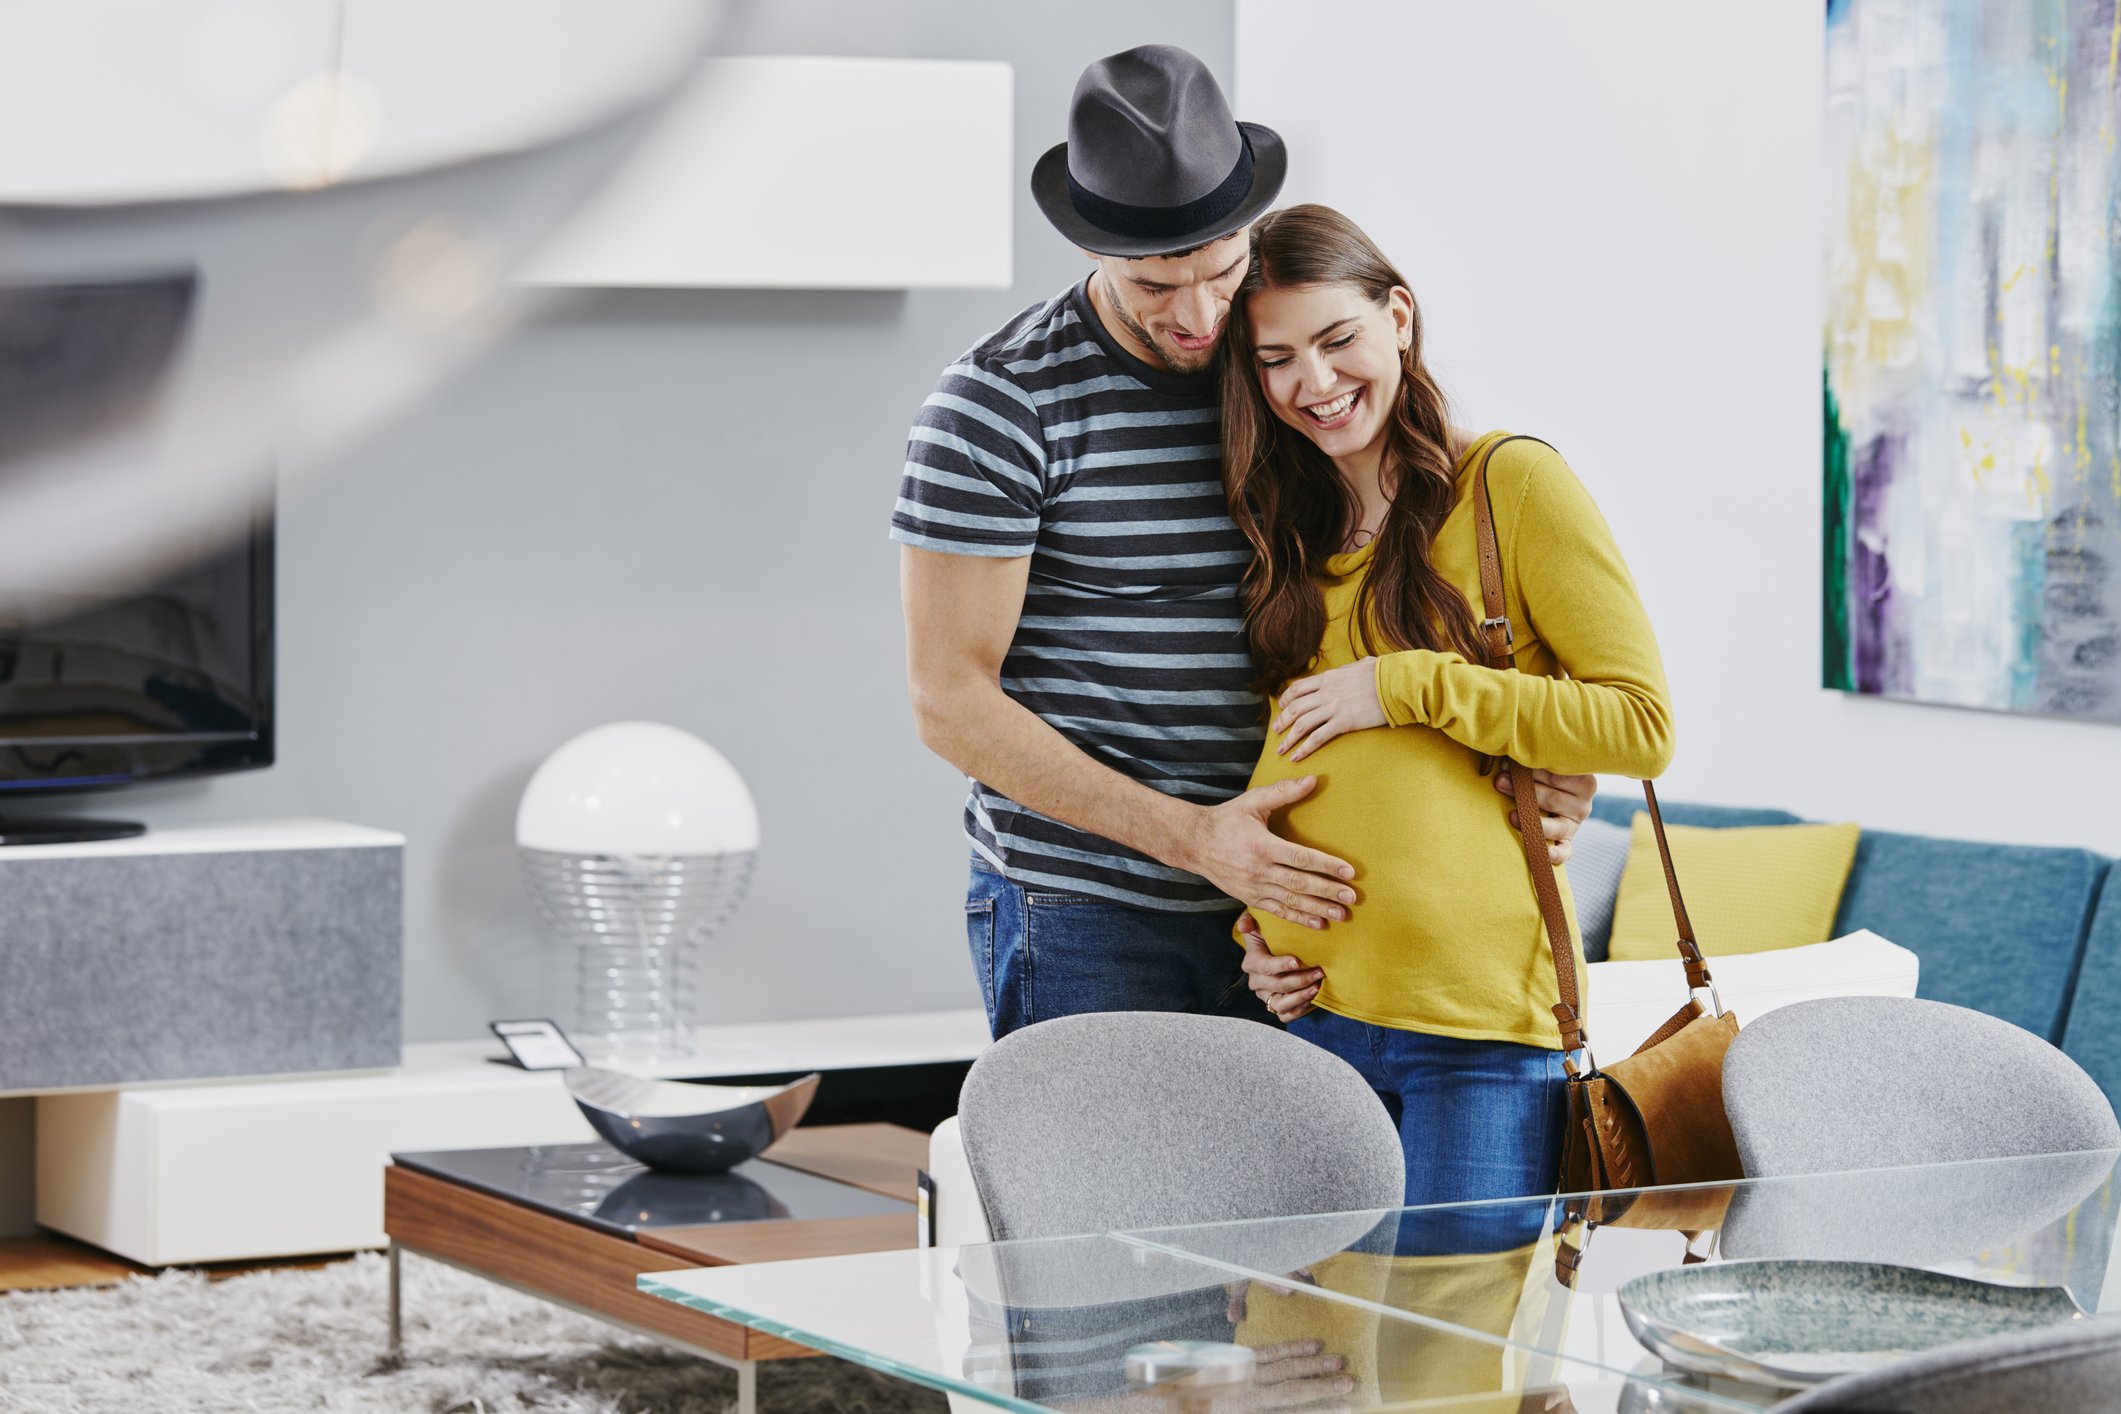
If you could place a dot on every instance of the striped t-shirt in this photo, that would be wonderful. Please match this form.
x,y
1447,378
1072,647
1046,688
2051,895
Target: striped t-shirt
x,y
1049,440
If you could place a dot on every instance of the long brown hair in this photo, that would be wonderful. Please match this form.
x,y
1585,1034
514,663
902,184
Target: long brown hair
x,y
1292,505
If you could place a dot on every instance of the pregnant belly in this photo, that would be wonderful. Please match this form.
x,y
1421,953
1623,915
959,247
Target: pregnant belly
x,y
1439,874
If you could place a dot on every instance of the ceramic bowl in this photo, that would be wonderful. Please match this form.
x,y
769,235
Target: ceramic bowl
x,y
1797,1323
681,1127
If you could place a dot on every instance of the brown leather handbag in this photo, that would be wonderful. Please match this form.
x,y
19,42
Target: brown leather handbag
x,y
1656,1117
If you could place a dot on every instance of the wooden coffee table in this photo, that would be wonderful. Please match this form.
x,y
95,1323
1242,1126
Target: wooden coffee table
x,y
590,1267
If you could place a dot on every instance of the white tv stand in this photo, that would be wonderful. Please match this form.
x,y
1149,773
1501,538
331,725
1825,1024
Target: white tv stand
x,y
289,1166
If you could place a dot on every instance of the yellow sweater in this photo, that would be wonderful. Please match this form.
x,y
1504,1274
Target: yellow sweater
x,y
1445,936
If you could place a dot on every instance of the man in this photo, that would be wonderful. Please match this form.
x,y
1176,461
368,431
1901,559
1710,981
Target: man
x,y
1070,573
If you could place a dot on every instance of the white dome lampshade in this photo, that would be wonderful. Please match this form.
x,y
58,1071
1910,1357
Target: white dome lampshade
x,y
637,788
637,841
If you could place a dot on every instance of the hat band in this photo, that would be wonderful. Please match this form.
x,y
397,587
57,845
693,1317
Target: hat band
x,y
1154,222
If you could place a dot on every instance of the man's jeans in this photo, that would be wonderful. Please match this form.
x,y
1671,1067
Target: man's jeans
x,y
1477,1119
1042,955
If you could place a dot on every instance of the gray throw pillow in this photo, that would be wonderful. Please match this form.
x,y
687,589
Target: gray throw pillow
x,y
1594,877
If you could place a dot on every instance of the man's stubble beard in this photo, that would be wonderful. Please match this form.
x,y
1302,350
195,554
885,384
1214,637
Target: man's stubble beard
x,y
1168,359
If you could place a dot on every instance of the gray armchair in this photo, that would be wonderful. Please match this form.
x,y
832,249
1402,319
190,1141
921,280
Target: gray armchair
x,y
1140,1120
1874,1082
1119,1120
1880,1083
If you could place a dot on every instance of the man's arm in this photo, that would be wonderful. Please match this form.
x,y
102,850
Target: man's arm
x,y
961,613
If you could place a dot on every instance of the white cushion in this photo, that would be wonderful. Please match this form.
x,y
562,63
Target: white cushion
x,y
960,1222
960,1218
1629,1000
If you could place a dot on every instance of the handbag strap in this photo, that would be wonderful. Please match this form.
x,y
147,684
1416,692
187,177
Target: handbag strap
x,y
1498,637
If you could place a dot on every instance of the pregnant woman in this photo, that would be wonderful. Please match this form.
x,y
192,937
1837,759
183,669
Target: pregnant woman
x,y
1357,494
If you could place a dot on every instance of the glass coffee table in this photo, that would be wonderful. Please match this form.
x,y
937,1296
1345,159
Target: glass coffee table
x,y
1660,1299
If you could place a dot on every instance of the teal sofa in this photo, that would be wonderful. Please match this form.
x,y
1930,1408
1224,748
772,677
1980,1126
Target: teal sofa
x,y
2028,933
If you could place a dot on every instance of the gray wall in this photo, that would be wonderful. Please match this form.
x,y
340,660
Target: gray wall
x,y
667,505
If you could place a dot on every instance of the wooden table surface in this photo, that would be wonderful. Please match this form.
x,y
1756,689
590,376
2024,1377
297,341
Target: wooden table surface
x,y
882,1158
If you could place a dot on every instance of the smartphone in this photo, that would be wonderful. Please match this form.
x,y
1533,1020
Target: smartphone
x,y
538,1044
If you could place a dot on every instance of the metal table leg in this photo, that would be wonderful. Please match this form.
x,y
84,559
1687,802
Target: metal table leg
x,y
397,1324
747,1371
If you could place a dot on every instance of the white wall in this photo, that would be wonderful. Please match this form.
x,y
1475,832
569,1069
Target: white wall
x,y
1611,216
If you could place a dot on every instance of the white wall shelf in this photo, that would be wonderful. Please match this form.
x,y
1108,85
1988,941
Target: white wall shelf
x,y
804,172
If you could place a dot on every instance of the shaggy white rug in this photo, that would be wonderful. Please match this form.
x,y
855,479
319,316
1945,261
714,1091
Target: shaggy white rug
x,y
316,1340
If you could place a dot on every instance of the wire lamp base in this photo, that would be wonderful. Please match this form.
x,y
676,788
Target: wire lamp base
x,y
638,924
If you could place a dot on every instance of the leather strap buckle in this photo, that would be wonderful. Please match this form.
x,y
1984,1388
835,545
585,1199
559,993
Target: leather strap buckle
x,y
1509,636
1715,998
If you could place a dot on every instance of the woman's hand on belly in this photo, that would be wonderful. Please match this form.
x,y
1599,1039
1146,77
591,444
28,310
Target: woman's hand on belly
x,y
1325,705
1564,804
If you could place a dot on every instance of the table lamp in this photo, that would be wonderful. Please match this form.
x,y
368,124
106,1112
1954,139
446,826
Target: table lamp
x,y
637,842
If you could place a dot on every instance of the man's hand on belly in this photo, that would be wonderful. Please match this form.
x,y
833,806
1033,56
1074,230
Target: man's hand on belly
x,y
1564,801
1232,847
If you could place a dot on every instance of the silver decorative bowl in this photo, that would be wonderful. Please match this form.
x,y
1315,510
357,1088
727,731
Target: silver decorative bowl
x,y
1798,1322
687,1128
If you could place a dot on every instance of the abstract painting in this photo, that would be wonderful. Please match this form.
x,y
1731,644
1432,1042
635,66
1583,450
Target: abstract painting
x,y
1973,353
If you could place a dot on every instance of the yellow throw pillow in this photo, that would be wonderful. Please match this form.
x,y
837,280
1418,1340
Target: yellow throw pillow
x,y
1749,889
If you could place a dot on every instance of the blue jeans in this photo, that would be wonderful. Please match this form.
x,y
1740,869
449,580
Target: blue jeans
x,y
1477,1119
1042,955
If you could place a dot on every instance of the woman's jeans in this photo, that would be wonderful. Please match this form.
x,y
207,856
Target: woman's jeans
x,y
1042,955
1477,1119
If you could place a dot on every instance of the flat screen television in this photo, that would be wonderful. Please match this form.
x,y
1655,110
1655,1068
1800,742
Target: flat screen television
x,y
104,686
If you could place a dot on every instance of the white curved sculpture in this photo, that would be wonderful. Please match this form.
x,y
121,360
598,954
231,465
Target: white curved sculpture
x,y
233,235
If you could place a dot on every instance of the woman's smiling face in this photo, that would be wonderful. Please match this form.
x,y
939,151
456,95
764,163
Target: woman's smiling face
x,y
1329,361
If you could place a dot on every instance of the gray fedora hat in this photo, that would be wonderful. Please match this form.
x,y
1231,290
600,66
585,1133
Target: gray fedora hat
x,y
1154,162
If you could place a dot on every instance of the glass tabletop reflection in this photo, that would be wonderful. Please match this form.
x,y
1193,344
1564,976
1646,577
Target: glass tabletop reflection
x,y
1105,1325
1503,1305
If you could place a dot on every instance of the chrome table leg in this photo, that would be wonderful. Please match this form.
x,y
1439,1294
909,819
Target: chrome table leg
x,y
397,1307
